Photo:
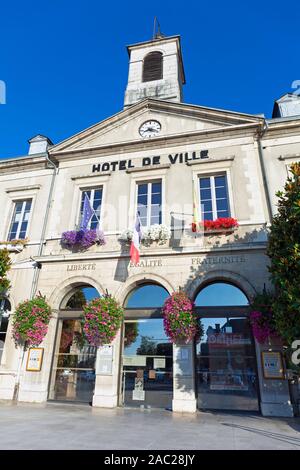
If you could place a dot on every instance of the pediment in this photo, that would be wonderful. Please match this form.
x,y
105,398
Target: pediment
x,y
176,119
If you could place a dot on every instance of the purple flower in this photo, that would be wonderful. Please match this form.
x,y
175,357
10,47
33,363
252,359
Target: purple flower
x,y
82,238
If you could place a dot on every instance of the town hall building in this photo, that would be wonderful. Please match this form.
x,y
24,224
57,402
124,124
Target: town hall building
x,y
158,156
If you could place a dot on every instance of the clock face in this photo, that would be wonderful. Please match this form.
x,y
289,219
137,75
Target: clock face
x,y
150,129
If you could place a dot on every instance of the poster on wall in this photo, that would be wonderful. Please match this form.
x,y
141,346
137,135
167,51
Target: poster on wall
x,y
34,359
272,365
138,392
104,363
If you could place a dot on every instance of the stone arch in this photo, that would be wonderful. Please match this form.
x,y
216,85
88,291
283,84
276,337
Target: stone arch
x,y
138,280
69,286
230,277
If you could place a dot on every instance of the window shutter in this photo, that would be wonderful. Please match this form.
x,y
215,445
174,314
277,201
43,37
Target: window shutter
x,y
153,67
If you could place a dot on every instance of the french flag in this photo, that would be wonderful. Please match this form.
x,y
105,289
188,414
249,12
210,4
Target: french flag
x,y
135,244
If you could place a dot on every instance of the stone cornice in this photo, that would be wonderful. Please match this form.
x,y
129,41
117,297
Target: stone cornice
x,y
20,164
193,137
156,253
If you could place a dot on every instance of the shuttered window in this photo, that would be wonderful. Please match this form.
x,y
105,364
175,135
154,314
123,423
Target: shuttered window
x,y
153,67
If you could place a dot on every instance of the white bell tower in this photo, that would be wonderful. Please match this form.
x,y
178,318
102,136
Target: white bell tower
x,y
155,70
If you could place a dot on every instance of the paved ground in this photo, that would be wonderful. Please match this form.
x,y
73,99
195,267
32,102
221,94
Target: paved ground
x,y
57,426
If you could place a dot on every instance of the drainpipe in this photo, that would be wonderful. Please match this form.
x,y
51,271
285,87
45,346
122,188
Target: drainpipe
x,y
260,134
42,240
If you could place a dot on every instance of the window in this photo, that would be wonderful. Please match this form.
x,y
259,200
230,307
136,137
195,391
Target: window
x,y
4,317
95,197
19,223
214,197
153,67
149,203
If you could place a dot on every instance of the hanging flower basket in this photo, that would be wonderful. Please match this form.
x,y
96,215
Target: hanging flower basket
x,y
180,321
102,319
82,239
131,334
30,322
261,318
262,327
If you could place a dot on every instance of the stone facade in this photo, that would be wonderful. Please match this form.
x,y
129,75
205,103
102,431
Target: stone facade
x,y
253,154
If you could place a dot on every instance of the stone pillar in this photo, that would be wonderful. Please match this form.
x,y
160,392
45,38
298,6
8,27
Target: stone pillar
x,y
184,398
274,393
34,385
107,375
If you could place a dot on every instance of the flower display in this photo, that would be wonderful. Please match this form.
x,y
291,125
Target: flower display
x,y
131,334
102,319
262,327
220,224
5,264
82,238
156,232
180,322
30,321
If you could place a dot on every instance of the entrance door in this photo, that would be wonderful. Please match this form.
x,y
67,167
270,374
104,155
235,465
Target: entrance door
x,y
147,374
226,366
73,371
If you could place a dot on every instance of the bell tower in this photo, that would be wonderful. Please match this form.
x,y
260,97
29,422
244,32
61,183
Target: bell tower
x,y
155,70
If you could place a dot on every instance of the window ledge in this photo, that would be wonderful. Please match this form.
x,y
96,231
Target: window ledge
x,y
23,188
80,177
210,160
289,157
150,167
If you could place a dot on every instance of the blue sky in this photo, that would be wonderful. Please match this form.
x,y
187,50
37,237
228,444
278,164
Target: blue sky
x,y
65,65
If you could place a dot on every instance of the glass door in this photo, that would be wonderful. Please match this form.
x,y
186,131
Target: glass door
x,y
226,365
147,373
73,370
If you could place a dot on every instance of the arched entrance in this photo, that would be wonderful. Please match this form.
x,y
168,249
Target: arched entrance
x,y
226,375
5,309
147,358
73,366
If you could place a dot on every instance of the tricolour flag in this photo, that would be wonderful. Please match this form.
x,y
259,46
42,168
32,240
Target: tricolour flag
x,y
86,213
135,243
195,223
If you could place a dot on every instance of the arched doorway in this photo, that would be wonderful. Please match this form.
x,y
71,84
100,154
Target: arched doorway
x,y
226,375
73,366
147,359
5,309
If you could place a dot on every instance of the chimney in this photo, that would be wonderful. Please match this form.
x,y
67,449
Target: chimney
x,y
39,144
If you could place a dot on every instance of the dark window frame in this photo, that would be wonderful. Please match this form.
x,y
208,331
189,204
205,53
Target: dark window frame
x,y
153,67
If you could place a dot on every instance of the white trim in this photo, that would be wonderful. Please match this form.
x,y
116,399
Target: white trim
x,y
149,182
13,212
140,178
92,189
221,172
